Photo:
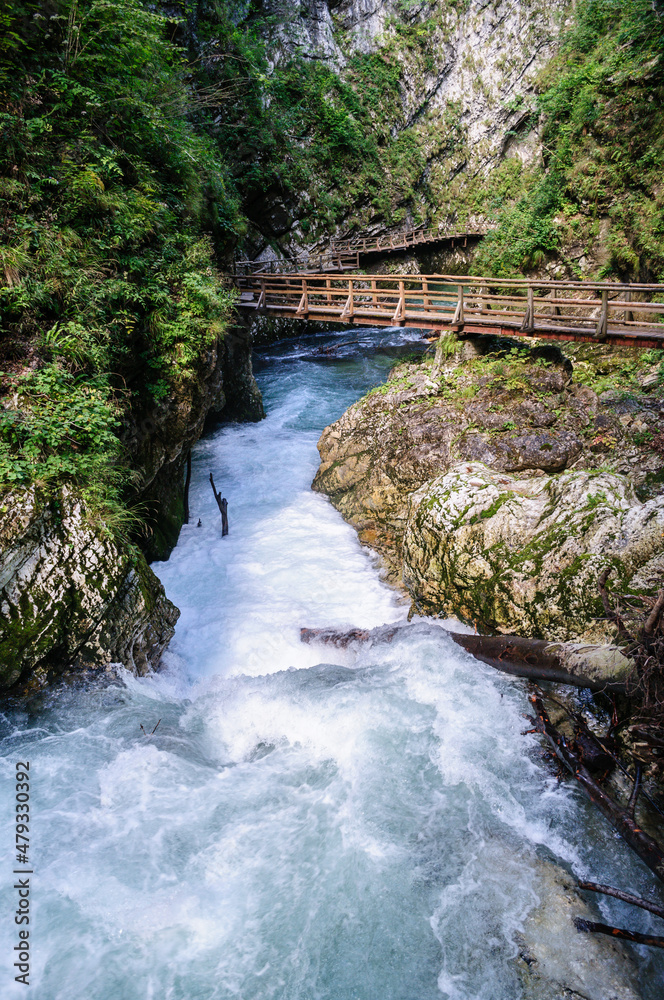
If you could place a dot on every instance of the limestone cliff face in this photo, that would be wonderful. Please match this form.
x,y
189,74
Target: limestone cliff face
x,y
523,556
496,487
466,92
71,594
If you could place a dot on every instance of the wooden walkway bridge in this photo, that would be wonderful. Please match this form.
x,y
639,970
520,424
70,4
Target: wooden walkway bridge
x,y
626,314
308,263
344,255
403,241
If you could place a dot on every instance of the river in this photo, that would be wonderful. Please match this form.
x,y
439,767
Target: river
x,y
304,824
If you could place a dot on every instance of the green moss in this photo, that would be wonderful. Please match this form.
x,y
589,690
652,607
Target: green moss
x,y
601,104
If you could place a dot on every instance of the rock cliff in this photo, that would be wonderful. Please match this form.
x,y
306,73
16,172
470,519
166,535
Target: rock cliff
x,y
73,592
451,86
498,486
69,593
159,436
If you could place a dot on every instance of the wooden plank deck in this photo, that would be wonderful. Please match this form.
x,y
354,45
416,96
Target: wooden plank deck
x,y
558,310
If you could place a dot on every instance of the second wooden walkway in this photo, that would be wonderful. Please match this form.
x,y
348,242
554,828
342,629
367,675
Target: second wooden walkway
x,y
388,242
558,310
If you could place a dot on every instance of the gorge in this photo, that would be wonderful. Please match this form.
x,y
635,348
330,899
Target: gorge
x,y
220,809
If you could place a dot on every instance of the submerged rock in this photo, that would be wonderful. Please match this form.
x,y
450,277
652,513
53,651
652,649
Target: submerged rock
x,y
556,961
69,592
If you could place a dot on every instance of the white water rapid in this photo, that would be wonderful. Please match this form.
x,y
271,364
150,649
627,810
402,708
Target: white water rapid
x,y
304,824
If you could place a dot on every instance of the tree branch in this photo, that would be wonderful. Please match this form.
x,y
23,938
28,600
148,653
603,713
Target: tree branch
x,y
627,897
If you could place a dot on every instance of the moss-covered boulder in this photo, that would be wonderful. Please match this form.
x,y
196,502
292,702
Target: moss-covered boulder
x,y
524,555
499,478
515,408
70,593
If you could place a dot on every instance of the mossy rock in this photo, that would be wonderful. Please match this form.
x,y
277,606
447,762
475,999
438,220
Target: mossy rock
x,y
523,556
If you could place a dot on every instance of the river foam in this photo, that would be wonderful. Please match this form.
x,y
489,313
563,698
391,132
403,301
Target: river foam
x,y
305,823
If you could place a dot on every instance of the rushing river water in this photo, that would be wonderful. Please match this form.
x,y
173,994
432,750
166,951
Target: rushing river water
x,y
303,825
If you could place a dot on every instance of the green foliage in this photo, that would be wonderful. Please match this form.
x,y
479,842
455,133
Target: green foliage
x,y
113,208
63,425
601,104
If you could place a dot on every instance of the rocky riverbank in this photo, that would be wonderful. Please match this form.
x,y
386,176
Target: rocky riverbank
x,y
500,479
76,592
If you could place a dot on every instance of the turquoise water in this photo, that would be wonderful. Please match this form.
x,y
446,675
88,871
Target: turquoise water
x,y
305,823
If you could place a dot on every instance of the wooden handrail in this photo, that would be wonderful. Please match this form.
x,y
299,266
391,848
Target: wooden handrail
x,y
400,241
594,311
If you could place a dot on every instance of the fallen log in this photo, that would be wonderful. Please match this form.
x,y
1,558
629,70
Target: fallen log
x,y
620,817
587,926
598,667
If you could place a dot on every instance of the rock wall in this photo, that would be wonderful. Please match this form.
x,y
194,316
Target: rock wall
x,y
466,95
497,488
159,438
523,556
70,594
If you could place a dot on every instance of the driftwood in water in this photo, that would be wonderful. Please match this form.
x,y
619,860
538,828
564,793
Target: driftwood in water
x,y
618,932
626,897
582,665
222,504
620,817
187,482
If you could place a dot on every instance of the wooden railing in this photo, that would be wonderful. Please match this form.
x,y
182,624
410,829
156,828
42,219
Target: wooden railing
x,y
560,310
303,263
401,241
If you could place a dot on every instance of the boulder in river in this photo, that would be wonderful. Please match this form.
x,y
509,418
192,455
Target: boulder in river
x,y
523,555
497,484
556,961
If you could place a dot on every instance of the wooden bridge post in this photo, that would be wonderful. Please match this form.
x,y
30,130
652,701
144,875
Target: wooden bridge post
x,y
458,313
603,321
328,294
528,325
400,311
348,309
303,308
374,297
261,297
426,301
629,315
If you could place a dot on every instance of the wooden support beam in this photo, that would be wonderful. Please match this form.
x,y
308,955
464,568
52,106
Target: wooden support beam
x,y
400,311
458,312
528,325
603,321
348,309
303,308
